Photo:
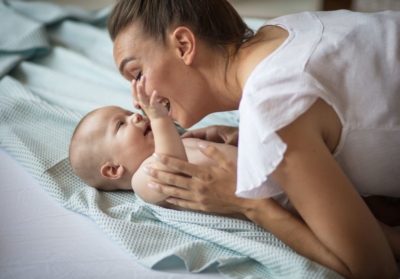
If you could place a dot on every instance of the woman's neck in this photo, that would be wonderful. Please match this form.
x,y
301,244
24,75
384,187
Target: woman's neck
x,y
227,73
221,75
231,74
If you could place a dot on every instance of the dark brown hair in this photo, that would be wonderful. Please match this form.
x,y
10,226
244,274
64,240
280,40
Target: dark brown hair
x,y
214,21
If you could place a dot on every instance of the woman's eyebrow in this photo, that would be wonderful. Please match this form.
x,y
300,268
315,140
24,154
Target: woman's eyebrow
x,y
123,63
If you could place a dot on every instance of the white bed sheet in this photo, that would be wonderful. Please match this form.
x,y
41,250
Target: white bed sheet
x,y
41,239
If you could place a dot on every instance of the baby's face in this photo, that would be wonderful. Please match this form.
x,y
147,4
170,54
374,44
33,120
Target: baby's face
x,y
125,137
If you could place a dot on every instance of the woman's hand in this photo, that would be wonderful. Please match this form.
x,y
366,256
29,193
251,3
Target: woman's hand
x,y
208,189
216,133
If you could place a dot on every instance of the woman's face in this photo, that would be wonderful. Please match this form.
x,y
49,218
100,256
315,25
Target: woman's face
x,y
136,55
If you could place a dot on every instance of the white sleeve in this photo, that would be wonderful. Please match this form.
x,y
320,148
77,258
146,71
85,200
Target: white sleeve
x,y
267,105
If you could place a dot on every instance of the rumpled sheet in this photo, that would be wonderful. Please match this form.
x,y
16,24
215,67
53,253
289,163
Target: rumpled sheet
x,y
56,65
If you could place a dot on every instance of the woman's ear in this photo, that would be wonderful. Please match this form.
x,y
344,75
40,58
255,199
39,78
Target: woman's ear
x,y
184,40
111,171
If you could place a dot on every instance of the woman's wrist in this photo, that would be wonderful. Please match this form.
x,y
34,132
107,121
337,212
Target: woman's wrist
x,y
252,208
261,210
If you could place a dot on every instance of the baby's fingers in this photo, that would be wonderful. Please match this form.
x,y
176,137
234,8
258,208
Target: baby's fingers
x,y
153,99
135,95
141,93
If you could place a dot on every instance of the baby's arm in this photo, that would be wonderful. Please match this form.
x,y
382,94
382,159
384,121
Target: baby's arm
x,y
139,185
166,139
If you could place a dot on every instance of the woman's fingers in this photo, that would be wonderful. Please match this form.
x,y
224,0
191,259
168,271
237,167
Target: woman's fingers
x,y
206,188
171,191
199,134
169,178
186,204
215,154
216,133
180,166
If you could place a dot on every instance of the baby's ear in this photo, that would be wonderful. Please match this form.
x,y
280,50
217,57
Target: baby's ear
x,y
111,171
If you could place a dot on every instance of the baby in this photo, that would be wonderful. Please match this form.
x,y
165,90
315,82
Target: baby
x,y
111,146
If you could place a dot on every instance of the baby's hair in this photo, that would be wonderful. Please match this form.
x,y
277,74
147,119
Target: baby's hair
x,y
77,128
84,162
214,21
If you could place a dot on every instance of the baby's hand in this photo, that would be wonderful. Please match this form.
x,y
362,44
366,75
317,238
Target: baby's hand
x,y
152,105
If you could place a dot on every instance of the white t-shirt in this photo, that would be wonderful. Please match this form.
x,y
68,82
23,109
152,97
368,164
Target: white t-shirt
x,y
352,62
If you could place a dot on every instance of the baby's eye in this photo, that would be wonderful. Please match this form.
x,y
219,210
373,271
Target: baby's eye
x,y
139,76
120,124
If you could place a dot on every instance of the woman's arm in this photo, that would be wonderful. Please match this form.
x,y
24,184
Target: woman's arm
x,y
329,204
211,189
338,231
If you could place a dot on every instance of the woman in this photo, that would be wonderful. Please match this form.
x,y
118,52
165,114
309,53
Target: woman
x,y
308,86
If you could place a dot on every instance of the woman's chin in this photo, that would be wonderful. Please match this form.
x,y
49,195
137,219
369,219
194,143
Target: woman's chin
x,y
183,119
187,123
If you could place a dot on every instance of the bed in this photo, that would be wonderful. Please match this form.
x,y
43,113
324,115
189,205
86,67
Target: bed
x,y
41,239
56,65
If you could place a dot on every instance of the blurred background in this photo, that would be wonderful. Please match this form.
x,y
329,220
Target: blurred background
x,y
269,8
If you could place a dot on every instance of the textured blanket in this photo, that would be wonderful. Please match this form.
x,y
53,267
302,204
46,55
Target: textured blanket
x,y
56,65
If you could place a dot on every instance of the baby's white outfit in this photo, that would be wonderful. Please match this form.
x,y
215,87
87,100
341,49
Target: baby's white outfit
x,y
352,62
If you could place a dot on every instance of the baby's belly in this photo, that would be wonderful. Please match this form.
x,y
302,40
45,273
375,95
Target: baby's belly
x,y
371,160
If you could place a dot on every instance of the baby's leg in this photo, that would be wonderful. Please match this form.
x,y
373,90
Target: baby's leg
x,y
385,210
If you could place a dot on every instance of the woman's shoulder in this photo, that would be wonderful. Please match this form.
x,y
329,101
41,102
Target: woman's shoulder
x,y
267,40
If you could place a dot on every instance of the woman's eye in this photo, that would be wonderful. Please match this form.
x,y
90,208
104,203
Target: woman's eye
x,y
139,76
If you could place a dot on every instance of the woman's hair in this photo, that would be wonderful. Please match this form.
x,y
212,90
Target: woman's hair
x,y
214,21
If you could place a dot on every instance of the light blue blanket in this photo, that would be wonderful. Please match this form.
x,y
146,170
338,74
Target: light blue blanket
x,y
56,65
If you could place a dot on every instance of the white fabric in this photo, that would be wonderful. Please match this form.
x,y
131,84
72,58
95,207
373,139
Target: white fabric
x,y
350,60
39,238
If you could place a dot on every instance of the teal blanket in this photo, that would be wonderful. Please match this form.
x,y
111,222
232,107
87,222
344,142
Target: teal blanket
x,y
56,65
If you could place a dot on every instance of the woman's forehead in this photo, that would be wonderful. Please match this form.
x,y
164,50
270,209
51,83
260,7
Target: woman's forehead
x,y
130,36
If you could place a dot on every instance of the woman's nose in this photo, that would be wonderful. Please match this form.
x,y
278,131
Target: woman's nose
x,y
136,117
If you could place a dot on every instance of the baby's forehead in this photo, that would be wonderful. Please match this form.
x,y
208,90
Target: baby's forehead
x,y
93,125
97,123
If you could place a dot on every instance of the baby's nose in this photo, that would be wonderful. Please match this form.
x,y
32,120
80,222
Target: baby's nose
x,y
136,117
